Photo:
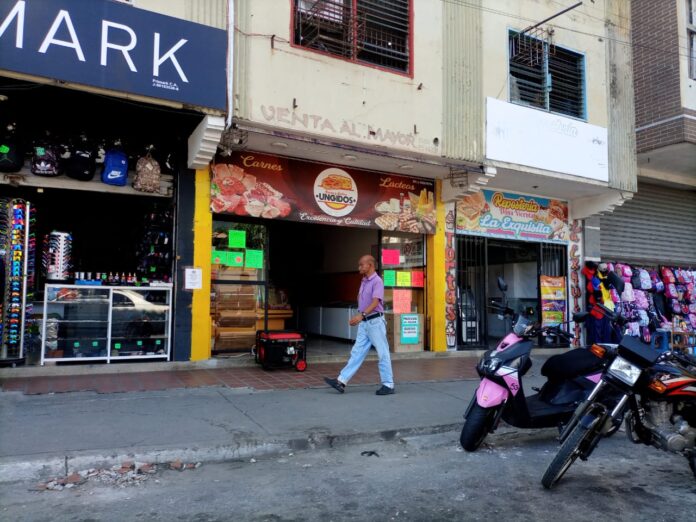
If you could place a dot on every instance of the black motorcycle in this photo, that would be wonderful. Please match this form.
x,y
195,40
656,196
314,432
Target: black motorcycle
x,y
655,391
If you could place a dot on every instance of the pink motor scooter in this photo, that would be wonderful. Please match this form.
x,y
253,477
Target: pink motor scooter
x,y
500,395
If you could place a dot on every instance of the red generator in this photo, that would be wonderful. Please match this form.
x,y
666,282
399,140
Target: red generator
x,y
278,348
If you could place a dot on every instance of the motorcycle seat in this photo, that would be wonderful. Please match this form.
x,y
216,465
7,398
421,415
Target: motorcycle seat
x,y
571,364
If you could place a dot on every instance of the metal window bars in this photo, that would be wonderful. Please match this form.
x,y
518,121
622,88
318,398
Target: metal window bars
x,y
371,31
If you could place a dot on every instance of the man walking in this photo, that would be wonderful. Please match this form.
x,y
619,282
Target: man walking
x,y
372,331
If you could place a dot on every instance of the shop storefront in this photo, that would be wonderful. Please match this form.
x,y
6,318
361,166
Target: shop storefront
x,y
656,257
89,193
286,238
523,239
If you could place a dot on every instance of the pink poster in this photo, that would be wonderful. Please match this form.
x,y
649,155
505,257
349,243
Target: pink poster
x,y
390,257
402,301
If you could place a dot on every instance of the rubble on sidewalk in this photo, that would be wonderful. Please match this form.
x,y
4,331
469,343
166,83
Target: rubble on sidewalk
x,y
126,474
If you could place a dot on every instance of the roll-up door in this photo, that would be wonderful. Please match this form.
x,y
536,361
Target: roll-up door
x,y
657,226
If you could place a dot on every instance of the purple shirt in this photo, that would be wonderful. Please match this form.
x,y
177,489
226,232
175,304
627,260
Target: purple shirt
x,y
370,288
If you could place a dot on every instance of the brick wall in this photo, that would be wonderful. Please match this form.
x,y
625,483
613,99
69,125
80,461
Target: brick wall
x,y
655,28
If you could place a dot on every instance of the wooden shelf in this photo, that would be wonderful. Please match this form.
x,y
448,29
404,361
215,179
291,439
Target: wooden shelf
x,y
24,178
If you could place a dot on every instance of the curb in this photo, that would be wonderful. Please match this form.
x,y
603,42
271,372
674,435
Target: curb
x,y
22,469
17,469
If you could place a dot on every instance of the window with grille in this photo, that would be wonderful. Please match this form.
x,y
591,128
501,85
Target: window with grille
x,y
366,31
545,76
691,38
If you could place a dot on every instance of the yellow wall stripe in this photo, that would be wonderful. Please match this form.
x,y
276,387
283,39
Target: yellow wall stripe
x,y
201,329
436,277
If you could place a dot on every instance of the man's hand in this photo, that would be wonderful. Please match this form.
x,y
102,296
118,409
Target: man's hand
x,y
355,320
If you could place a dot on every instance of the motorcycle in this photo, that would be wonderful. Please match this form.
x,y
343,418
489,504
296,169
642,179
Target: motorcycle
x,y
656,392
570,378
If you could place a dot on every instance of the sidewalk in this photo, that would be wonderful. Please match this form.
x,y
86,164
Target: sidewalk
x,y
216,415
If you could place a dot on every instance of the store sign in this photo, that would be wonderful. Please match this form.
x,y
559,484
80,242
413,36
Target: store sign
x,y
410,328
536,138
260,185
117,47
513,216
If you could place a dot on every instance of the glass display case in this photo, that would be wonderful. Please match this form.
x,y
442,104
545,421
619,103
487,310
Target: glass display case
x,y
103,323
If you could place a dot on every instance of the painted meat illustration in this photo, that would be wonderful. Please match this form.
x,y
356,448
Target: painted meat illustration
x,y
237,192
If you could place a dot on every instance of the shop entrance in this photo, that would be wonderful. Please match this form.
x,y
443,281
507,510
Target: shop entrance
x,y
303,277
480,261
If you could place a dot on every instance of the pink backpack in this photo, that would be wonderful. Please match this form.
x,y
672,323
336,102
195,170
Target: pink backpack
x,y
667,276
645,281
692,320
628,294
692,308
689,294
615,295
641,299
676,306
671,291
626,273
633,329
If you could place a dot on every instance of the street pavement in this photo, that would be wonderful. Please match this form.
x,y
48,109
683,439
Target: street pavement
x,y
54,434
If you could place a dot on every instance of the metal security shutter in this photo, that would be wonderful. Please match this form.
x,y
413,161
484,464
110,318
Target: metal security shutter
x,y
657,226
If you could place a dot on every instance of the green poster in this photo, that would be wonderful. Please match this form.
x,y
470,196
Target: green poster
x,y
254,259
389,277
218,257
236,238
234,259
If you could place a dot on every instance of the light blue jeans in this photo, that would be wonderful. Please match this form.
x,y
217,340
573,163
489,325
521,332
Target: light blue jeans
x,y
370,333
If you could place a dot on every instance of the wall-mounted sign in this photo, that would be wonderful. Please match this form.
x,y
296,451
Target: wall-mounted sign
x,y
259,185
193,278
115,46
557,143
410,328
554,300
512,216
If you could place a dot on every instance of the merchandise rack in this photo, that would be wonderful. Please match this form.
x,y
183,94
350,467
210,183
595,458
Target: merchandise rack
x,y
106,323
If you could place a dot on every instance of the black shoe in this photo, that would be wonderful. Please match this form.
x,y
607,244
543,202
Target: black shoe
x,y
335,384
385,390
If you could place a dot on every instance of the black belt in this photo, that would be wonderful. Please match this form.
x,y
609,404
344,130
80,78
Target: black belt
x,y
373,316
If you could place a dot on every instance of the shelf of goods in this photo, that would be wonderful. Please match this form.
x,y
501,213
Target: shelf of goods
x,y
25,178
105,323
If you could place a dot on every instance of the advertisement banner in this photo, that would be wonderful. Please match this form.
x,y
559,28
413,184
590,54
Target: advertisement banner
x,y
554,300
115,46
512,216
270,187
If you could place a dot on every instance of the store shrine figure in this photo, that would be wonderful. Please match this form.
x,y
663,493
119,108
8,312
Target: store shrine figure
x,y
372,331
599,287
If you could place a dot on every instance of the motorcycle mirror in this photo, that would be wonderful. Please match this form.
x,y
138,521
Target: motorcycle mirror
x,y
502,285
580,317
616,281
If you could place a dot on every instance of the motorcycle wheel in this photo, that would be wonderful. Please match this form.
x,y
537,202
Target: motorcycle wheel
x,y
476,427
569,452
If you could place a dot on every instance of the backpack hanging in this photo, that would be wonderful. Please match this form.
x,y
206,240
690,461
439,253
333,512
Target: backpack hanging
x,y
44,160
147,175
81,161
11,154
115,170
